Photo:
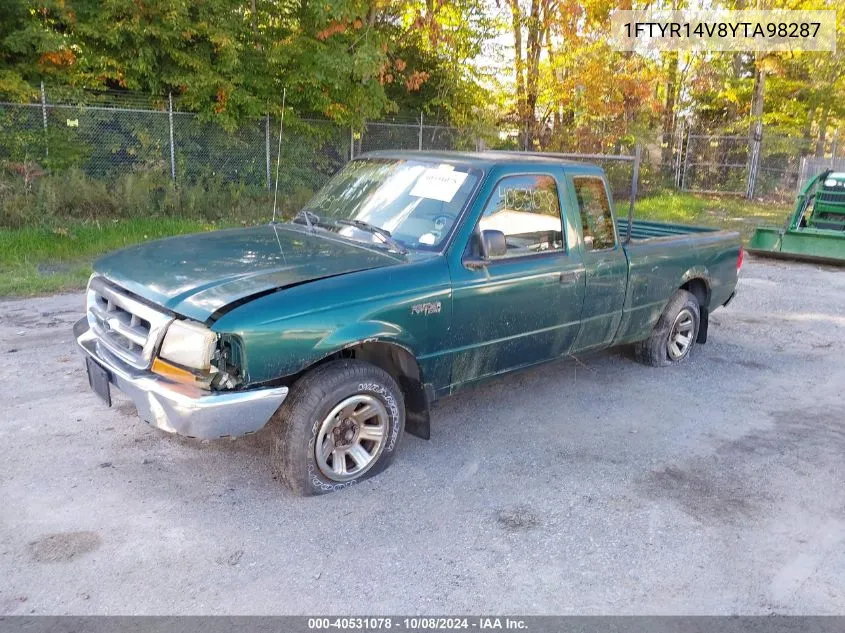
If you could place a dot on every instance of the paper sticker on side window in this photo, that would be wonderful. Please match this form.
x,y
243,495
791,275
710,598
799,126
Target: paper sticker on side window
x,y
439,184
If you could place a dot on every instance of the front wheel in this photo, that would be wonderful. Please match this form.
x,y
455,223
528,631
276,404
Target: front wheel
x,y
340,424
674,334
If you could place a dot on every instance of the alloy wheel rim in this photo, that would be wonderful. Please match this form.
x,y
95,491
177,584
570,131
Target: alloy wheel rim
x,y
351,437
681,335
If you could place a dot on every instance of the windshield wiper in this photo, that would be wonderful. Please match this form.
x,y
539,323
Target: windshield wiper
x,y
376,230
311,219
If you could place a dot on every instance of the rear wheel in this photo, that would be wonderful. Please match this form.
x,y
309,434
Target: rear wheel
x,y
340,424
673,337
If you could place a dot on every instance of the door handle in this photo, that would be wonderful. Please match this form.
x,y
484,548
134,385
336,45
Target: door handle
x,y
569,277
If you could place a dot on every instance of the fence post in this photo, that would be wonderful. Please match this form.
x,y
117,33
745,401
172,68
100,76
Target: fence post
x,y
754,164
421,131
44,120
172,148
686,160
833,148
801,174
267,147
635,180
679,146
351,142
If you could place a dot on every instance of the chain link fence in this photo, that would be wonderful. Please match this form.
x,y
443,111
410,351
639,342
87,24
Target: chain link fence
x,y
106,143
812,166
144,137
759,165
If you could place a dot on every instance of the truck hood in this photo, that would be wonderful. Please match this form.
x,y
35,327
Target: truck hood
x,y
197,275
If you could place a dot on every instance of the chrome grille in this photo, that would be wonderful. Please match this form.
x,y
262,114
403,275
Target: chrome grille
x,y
127,328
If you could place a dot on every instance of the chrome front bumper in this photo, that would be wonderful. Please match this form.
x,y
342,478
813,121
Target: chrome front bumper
x,y
179,408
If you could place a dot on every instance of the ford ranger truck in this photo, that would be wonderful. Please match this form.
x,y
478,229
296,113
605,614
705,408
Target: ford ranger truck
x,y
410,275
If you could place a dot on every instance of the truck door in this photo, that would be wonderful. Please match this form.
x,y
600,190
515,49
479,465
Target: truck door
x,y
605,262
522,306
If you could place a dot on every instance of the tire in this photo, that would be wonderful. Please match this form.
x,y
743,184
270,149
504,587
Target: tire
x,y
329,408
681,317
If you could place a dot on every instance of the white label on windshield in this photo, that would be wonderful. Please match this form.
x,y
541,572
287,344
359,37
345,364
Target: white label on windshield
x,y
439,184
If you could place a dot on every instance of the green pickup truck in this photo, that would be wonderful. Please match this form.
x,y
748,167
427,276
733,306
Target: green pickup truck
x,y
408,276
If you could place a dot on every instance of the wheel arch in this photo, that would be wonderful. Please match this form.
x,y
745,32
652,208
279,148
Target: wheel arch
x,y
697,282
398,360
401,363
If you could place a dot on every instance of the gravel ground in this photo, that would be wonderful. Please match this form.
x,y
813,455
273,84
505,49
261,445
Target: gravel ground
x,y
605,487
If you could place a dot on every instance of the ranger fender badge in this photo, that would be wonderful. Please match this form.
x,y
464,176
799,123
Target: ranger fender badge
x,y
432,307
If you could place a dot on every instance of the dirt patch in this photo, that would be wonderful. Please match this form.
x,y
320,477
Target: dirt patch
x,y
723,486
747,364
63,547
751,364
127,409
232,559
518,518
702,493
799,433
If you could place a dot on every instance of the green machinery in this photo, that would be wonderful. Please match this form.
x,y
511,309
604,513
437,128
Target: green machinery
x,y
816,229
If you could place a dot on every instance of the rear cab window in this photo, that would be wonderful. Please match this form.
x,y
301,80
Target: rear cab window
x,y
526,208
594,209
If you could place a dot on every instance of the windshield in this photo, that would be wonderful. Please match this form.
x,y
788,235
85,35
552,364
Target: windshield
x,y
416,202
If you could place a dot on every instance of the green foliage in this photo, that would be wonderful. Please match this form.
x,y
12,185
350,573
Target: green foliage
x,y
357,60
34,46
38,260
200,51
349,60
726,212
52,226
52,200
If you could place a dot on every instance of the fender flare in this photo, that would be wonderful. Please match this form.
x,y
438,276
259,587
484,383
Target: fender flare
x,y
363,332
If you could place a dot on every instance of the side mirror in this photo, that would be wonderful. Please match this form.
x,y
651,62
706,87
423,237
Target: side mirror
x,y
494,243
489,243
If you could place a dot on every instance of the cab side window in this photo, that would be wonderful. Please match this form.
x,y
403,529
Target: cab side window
x,y
596,218
526,209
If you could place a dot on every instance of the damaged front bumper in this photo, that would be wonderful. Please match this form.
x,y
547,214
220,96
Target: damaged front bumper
x,y
179,408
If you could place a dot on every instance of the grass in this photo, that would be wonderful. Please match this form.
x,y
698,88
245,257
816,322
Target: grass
x,y
52,227
727,212
57,257
46,260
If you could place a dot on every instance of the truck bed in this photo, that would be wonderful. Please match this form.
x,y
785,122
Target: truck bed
x,y
647,229
660,257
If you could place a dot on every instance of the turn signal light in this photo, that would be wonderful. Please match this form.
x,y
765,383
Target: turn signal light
x,y
740,258
163,368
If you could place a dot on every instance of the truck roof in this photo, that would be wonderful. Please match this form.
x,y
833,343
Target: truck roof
x,y
484,159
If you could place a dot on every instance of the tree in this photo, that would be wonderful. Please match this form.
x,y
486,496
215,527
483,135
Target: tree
x,y
229,60
34,45
531,20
